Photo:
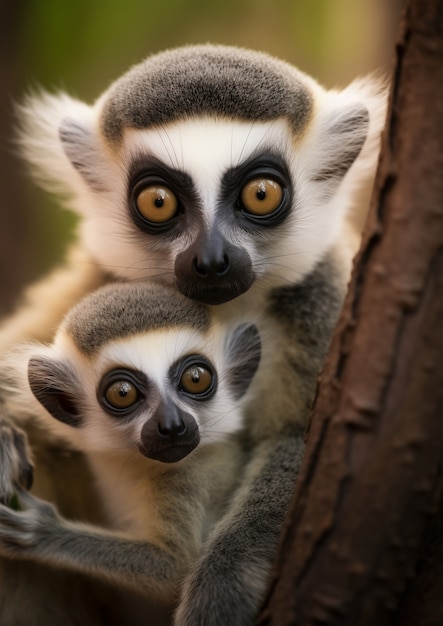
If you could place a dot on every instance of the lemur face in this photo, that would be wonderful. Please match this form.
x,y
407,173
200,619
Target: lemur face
x,y
138,366
212,201
213,169
213,207
161,393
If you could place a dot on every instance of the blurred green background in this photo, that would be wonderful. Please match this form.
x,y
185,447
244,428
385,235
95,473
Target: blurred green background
x,y
82,45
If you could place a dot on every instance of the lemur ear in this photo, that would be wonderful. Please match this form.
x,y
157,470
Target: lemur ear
x,y
57,388
58,136
80,146
345,131
337,143
243,356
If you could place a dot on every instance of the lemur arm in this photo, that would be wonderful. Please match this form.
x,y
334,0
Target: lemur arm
x,y
40,534
230,578
163,529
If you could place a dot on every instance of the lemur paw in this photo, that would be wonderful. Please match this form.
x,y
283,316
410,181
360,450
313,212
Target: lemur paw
x,y
15,463
23,530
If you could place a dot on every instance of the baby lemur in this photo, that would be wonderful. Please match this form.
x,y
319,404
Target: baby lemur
x,y
230,176
140,379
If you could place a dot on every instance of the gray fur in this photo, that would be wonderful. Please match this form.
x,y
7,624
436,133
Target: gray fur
x,y
244,353
230,578
195,80
187,499
227,583
119,310
15,458
80,149
299,322
347,132
307,313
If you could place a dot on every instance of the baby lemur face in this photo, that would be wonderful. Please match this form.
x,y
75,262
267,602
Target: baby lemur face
x,y
140,366
213,169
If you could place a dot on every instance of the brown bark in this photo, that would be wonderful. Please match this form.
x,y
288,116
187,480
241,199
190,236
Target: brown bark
x,y
369,496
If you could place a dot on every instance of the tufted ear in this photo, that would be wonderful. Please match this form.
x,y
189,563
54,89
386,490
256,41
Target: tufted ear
x,y
243,353
57,388
343,134
58,136
335,144
79,143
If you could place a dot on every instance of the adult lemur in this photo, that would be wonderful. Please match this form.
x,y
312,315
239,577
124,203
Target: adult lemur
x,y
228,174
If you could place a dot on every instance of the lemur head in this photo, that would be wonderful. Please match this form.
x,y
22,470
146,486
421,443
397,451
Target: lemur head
x,y
140,365
211,168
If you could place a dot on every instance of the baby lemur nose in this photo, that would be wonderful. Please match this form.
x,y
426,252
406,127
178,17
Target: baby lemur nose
x,y
169,420
169,435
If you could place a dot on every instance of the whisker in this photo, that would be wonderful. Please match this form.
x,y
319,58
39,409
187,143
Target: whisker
x,y
162,132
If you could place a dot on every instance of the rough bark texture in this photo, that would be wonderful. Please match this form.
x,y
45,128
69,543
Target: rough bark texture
x,y
365,531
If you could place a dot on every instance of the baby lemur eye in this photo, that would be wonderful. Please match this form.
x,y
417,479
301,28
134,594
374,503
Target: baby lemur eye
x,y
122,394
261,196
157,204
121,391
195,377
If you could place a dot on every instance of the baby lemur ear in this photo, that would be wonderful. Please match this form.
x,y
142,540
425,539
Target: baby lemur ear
x,y
57,388
243,354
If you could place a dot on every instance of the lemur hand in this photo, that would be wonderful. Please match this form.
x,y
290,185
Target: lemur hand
x,y
23,532
16,468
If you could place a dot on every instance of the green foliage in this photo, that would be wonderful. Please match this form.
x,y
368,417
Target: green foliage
x,y
14,503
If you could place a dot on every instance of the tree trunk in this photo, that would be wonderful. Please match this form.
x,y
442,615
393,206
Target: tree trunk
x,y
365,531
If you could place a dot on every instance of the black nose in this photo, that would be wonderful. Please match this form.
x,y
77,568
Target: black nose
x,y
210,267
169,435
169,420
176,428
212,270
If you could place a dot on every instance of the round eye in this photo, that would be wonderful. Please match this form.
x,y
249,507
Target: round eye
x,y
196,379
261,196
157,204
121,394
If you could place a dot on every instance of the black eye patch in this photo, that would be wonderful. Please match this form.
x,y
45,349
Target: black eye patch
x,y
264,167
148,173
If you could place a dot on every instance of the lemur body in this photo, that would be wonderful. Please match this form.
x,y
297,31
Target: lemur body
x,y
139,379
229,175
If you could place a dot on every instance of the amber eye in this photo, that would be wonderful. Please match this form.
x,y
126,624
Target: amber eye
x,y
121,394
157,204
196,379
261,196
